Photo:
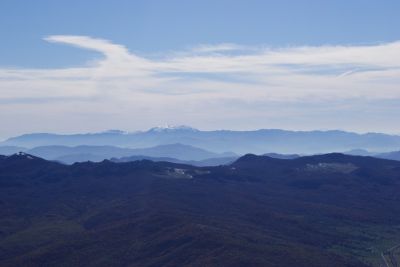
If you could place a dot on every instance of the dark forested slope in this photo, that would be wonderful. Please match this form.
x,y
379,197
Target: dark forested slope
x,y
328,210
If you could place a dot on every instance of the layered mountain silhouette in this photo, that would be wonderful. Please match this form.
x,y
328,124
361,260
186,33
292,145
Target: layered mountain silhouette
x,y
325,210
239,142
172,152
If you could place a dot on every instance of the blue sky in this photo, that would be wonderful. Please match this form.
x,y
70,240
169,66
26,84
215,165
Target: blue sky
x,y
183,62
156,26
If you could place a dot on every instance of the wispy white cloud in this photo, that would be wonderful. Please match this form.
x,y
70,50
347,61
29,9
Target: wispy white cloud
x,y
104,46
202,82
206,48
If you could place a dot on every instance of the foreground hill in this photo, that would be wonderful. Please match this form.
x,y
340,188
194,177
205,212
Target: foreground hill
x,y
327,210
240,142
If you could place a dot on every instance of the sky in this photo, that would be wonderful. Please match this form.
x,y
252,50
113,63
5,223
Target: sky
x,y
69,66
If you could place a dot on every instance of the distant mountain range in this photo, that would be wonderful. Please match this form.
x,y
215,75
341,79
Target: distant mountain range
x,y
239,142
326,210
172,152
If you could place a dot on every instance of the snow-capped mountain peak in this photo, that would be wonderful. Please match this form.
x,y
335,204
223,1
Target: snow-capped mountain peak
x,y
173,128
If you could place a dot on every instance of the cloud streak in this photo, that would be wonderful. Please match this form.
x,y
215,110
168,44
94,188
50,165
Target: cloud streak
x,y
106,47
212,78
